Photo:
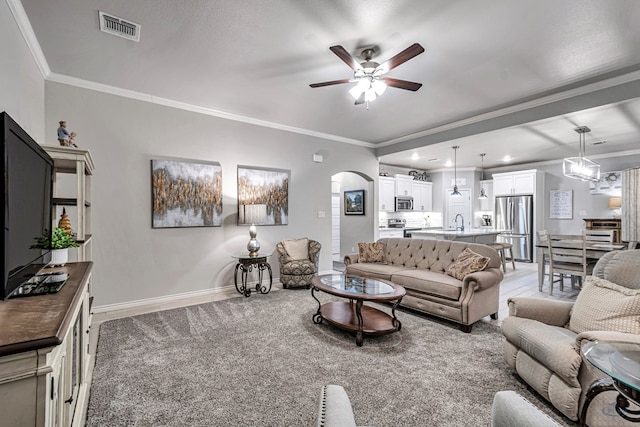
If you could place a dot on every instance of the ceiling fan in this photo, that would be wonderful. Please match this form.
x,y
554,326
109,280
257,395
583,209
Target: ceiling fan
x,y
369,75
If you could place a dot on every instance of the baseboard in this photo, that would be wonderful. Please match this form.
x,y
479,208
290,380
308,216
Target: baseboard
x,y
133,308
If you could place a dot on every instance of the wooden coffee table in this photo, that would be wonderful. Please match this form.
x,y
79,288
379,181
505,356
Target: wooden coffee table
x,y
353,315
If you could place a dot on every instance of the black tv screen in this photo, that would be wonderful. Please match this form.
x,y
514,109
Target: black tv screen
x,y
27,192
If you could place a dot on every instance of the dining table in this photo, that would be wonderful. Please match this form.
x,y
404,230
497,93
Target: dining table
x,y
594,250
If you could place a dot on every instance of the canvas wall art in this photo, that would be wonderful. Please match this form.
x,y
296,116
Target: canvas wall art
x,y
263,196
186,193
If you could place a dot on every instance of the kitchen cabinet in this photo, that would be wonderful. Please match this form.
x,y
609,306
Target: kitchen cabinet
x,y
391,233
403,185
387,188
422,193
523,182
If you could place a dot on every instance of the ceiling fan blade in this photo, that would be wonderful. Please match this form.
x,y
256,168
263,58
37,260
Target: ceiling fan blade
x,y
333,82
410,52
346,57
402,84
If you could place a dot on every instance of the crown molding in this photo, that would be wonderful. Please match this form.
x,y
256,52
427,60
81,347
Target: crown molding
x,y
20,15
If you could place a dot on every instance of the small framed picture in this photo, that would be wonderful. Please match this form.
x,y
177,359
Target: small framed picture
x,y
354,202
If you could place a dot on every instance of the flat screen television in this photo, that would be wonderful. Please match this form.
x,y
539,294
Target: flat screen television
x,y
27,193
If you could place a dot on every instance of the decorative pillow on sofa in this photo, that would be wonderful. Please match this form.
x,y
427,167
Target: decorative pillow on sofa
x,y
466,263
602,305
297,249
371,252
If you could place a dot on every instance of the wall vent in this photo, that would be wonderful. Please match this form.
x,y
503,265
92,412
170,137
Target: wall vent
x,y
119,27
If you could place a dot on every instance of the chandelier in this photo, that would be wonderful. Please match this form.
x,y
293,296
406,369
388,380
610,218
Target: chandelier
x,y
580,167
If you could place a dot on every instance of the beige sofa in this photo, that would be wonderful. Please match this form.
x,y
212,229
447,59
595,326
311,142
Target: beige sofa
x,y
544,337
420,265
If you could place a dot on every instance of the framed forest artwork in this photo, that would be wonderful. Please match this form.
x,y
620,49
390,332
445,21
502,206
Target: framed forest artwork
x,y
354,202
263,196
186,193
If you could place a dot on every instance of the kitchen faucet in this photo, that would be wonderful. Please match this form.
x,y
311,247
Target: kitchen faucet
x,y
461,228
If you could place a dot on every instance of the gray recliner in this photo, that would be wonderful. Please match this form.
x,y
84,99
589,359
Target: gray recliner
x,y
544,337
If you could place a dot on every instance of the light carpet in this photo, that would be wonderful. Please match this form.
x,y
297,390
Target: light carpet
x,y
261,361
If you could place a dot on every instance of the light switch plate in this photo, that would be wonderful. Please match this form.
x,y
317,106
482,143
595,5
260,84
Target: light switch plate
x,y
321,214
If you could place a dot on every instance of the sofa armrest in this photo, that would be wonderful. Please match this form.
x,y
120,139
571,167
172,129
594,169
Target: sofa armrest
x,y
350,259
511,409
483,279
335,408
606,336
550,312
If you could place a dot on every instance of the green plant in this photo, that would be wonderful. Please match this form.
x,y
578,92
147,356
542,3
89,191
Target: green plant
x,y
57,239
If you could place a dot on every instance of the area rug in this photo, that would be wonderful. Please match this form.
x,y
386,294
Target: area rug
x,y
261,361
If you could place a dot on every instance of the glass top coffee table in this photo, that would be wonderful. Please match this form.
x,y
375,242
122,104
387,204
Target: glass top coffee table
x,y
620,361
353,315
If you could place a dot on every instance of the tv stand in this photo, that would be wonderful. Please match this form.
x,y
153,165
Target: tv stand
x,y
44,354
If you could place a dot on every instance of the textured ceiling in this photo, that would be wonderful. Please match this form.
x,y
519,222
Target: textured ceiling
x,y
487,66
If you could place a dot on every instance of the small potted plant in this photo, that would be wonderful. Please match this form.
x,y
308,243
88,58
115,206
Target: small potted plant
x,y
58,242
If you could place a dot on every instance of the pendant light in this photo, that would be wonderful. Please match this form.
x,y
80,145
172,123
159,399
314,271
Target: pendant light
x,y
580,167
483,194
455,192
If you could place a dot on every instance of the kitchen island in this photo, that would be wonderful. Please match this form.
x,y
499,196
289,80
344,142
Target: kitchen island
x,y
475,235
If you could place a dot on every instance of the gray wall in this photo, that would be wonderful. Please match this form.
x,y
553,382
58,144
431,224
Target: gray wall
x,y
21,83
134,261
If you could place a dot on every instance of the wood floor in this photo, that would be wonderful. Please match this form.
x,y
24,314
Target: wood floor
x,y
523,282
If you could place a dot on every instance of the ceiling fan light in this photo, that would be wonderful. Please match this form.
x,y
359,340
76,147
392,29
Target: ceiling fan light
x,y
356,91
379,87
370,95
364,84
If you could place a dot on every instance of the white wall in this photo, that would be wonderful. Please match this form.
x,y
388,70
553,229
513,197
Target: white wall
x,y
21,83
134,261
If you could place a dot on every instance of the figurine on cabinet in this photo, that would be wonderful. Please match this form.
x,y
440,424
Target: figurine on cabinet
x,y
63,134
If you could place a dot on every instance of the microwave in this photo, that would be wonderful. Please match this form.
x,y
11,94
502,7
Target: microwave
x,y
404,203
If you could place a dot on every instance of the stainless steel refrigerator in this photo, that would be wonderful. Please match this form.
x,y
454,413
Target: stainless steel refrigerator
x,y
514,215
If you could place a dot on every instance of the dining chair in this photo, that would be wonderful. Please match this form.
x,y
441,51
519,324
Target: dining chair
x,y
568,256
543,238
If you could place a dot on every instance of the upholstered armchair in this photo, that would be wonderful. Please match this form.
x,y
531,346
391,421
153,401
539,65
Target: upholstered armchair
x,y
298,261
544,337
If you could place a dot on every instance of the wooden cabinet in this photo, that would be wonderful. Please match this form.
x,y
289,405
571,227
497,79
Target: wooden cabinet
x,y
44,354
608,224
387,194
523,182
403,185
73,168
422,193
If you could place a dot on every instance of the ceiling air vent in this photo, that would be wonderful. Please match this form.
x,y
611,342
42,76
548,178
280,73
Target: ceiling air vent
x,y
119,27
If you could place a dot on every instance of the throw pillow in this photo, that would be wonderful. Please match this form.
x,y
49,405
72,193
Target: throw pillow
x,y
466,263
297,249
602,305
371,252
